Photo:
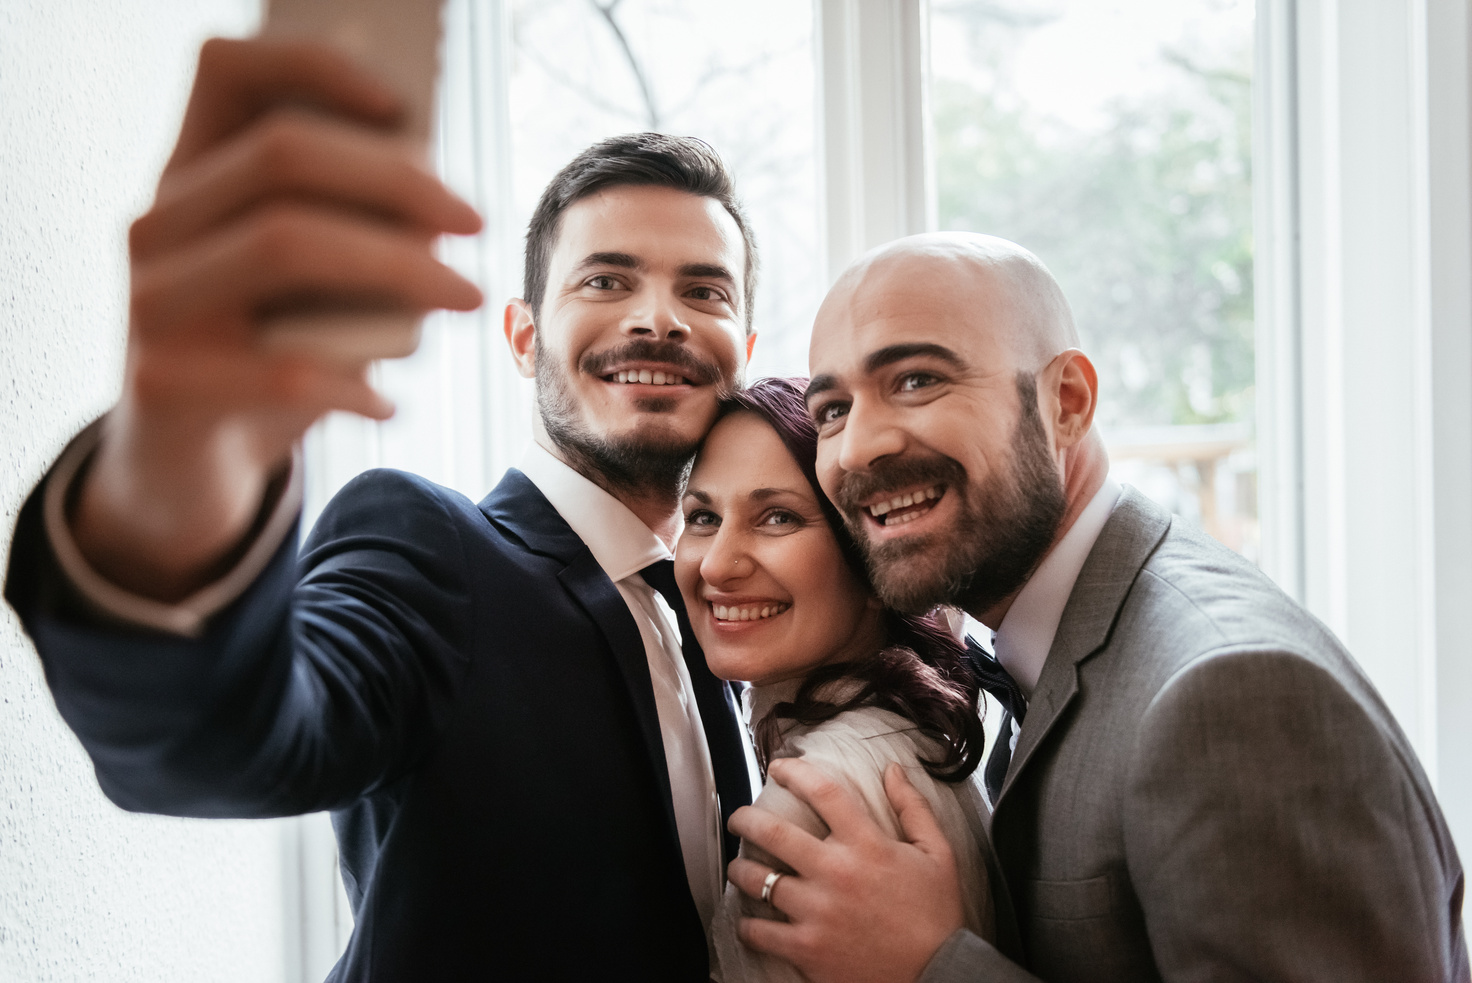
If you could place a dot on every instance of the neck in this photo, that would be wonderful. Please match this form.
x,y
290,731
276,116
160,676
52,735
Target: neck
x,y
1085,468
656,504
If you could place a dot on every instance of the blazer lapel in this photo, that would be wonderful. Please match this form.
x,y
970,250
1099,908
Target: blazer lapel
x,y
519,507
1133,531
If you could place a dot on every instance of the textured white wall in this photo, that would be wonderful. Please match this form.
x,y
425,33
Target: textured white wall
x,y
90,97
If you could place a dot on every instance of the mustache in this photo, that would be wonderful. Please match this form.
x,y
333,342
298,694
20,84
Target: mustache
x,y
698,370
893,476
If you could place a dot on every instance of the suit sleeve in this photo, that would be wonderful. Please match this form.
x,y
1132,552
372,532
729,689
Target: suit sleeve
x,y
1275,830
327,679
967,958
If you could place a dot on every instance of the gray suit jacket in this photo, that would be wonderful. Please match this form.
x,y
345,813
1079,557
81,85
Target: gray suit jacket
x,y
1208,788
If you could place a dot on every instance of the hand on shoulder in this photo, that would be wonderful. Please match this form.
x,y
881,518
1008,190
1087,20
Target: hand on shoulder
x,y
862,906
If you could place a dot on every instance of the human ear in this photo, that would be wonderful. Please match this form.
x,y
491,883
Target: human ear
x,y
1074,385
750,344
521,335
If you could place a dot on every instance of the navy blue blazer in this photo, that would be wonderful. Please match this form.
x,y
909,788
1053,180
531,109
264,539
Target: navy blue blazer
x,y
467,692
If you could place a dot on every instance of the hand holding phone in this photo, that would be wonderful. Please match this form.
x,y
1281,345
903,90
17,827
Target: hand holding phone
x,y
259,203
398,41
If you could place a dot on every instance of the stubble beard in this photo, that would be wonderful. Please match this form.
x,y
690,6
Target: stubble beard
x,y
652,460
1004,527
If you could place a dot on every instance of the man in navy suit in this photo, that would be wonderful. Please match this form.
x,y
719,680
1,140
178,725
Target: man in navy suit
x,y
529,776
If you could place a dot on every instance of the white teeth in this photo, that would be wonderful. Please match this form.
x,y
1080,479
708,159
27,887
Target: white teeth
x,y
724,613
648,377
880,509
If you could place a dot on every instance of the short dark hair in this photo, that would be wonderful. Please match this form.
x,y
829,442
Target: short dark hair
x,y
654,159
922,675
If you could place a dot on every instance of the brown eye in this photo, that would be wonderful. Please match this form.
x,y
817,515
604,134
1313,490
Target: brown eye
x,y
829,412
916,380
702,518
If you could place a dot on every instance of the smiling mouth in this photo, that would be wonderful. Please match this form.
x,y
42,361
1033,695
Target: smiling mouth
x,y
748,612
647,377
907,507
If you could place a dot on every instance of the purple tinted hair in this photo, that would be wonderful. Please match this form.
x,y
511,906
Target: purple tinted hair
x,y
922,675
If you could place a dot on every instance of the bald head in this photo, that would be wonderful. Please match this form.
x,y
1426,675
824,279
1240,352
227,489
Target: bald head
x,y
949,394
996,287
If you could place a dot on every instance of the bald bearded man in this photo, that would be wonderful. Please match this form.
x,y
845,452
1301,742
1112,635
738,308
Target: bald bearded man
x,y
1204,785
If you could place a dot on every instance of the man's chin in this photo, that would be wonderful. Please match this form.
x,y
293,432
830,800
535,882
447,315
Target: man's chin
x,y
656,437
656,420
909,574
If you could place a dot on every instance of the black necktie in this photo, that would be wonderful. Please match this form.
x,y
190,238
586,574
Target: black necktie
x,y
1004,689
718,708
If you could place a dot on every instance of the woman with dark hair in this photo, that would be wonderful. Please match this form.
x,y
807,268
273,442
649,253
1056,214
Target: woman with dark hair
x,y
778,596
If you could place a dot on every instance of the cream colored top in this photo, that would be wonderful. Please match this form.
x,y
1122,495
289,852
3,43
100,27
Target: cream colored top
x,y
854,748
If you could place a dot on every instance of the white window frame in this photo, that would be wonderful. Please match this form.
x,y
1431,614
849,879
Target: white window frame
x,y
1378,147
875,147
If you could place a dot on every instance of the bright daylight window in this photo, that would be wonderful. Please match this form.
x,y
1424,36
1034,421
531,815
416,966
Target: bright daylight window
x,y
1113,140
737,75
521,96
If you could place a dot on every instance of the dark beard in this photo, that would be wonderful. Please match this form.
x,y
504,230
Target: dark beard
x,y
1005,525
654,460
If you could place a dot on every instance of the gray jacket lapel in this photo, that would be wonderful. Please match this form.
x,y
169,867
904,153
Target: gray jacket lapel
x,y
1134,529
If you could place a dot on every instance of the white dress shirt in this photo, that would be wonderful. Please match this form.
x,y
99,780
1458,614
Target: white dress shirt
x,y
623,545
1026,634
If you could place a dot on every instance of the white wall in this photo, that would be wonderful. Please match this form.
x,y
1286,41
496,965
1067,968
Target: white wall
x,y
90,96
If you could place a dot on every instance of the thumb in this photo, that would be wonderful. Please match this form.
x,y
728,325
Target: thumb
x,y
916,820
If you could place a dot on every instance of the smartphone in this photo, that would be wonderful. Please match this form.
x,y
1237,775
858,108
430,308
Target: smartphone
x,y
398,41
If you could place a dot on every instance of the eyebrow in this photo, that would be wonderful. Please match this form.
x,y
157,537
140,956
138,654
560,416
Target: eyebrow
x,y
760,494
819,384
888,355
707,271
624,261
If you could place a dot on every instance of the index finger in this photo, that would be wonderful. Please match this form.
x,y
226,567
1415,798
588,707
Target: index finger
x,y
844,814
238,80
788,842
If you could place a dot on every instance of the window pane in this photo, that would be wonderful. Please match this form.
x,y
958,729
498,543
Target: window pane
x,y
739,75
1113,139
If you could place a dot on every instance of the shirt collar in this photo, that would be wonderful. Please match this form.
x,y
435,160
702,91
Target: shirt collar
x,y
620,542
1027,630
